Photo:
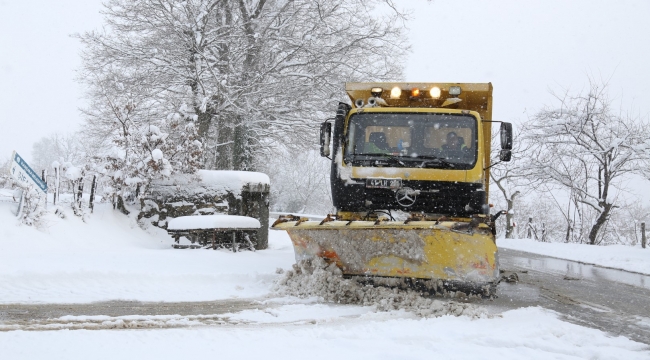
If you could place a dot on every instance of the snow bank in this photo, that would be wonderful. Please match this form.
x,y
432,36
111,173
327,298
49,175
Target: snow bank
x,y
213,222
630,258
110,258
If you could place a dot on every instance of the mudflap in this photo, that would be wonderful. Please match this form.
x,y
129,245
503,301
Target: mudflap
x,y
428,255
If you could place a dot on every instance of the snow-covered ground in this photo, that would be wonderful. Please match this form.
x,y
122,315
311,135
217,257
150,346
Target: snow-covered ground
x,y
110,258
531,333
630,258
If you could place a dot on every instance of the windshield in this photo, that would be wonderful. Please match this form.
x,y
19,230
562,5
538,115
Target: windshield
x,y
431,139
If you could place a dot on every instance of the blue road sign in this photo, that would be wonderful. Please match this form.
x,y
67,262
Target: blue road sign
x,y
24,174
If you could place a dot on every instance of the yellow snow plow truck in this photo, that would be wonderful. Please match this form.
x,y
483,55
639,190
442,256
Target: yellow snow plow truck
x,y
410,177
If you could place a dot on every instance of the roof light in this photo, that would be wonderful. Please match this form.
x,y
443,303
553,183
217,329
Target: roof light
x,y
435,92
395,93
376,91
415,92
454,90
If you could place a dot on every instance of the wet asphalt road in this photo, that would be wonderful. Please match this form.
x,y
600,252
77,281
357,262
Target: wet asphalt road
x,y
614,301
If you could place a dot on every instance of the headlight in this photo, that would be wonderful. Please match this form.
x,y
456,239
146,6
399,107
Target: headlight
x,y
435,92
395,93
454,90
376,91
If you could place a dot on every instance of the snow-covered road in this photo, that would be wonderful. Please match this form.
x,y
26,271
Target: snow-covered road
x,y
336,332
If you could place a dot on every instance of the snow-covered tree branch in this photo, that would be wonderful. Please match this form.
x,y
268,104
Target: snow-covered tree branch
x,y
583,146
251,74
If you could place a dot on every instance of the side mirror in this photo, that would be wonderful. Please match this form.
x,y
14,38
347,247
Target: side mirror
x,y
506,136
505,155
325,138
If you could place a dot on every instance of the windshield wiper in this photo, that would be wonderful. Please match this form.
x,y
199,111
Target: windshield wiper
x,y
388,156
432,158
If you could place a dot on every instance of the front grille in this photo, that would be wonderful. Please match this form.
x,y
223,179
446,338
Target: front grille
x,y
435,197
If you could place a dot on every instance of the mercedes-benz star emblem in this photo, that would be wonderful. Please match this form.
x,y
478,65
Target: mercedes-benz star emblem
x,y
406,196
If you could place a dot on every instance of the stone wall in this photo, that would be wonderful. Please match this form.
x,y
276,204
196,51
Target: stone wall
x,y
186,195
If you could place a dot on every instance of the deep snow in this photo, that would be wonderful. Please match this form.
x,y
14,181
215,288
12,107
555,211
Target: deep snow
x,y
111,258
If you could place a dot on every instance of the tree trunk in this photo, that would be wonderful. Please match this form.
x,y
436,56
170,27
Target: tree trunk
x,y
643,238
510,229
80,192
93,187
241,156
120,205
204,121
223,151
600,221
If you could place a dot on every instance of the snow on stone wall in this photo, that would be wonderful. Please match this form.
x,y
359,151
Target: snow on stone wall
x,y
209,192
213,222
209,183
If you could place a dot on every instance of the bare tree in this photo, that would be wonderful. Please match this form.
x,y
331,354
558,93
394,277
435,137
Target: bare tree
x,y
583,147
512,179
56,147
547,224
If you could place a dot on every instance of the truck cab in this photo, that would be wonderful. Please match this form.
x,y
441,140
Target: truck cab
x,y
414,147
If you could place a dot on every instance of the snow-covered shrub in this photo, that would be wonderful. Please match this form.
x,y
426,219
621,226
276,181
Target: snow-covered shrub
x,y
32,209
6,182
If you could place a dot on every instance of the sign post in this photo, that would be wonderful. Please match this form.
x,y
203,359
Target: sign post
x,y
25,176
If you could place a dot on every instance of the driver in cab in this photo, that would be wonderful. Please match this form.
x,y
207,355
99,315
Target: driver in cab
x,y
377,144
454,147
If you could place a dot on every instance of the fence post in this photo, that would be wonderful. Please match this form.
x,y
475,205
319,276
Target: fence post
x,y
643,238
21,204
80,191
57,175
92,194
44,178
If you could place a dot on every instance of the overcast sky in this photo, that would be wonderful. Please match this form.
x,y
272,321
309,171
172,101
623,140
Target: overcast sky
x,y
524,48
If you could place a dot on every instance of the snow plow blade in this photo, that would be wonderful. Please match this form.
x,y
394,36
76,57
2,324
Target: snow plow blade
x,y
457,256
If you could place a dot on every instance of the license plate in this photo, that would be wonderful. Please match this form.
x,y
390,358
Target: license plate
x,y
383,183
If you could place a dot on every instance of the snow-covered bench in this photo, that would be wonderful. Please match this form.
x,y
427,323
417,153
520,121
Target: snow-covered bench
x,y
214,230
